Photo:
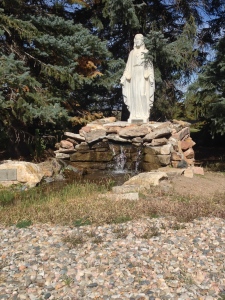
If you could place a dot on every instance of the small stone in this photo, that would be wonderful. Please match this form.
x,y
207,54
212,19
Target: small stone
x,y
92,285
47,296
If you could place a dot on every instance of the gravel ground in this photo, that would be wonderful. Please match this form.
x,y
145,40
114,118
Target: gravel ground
x,y
144,259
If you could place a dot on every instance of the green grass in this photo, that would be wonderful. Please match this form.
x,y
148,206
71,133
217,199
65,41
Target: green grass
x,y
82,204
23,224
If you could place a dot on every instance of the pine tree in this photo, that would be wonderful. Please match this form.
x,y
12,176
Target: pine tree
x,y
206,97
50,70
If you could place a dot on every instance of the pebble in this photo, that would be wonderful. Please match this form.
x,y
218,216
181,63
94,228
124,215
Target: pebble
x,y
141,259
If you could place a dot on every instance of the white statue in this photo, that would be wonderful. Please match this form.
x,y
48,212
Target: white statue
x,y
138,83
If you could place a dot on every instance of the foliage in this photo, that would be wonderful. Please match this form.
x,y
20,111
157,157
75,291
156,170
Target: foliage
x,y
175,35
81,203
61,60
50,69
206,96
23,224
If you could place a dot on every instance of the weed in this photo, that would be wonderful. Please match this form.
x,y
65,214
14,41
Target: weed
x,y
91,234
150,232
221,295
154,216
97,240
177,226
186,278
74,240
67,280
81,222
121,219
23,224
120,234
6,197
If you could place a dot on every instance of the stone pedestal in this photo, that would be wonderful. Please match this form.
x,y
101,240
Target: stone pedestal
x,y
105,144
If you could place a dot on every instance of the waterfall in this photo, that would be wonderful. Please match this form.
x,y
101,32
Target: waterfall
x,y
120,160
138,160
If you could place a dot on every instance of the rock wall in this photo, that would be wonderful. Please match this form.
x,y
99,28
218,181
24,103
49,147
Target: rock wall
x,y
110,144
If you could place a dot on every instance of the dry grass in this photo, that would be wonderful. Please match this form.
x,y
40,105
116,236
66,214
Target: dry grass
x,y
79,204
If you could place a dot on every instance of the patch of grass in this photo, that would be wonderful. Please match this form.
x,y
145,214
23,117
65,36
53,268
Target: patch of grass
x,y
150,232
23,224
177,226
121,219
221,296
81,222
74,240
120,233
79,204
6,197
97,240
67,280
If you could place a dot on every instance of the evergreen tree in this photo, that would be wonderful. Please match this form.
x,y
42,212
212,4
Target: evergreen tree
x,y
206,97
50,69
175,35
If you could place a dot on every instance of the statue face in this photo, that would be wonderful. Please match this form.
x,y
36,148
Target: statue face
x,y
138,41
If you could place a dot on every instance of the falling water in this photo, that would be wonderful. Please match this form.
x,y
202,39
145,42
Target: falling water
x,y
138,160
120,161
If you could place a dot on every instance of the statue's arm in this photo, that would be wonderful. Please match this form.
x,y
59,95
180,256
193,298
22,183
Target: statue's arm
x,y
127,73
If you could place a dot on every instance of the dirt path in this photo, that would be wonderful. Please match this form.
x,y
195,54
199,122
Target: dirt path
x,y
208,185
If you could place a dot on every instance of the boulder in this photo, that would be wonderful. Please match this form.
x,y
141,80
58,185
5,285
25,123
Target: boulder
x,y
146,180
135,131
61,155
84,130
159,142
189,153
176,156
122,189
25,172
63,150
157,133
137,140
83,146
186,144
198,170
113,129
119,197
181,134
171,172
147,167
164,150
72,141
92,156
188,173
95,135
104,120
51,167
100,145
164,159
66,144
117,138
74,136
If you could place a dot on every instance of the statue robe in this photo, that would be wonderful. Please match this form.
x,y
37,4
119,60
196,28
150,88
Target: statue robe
x,y
138,85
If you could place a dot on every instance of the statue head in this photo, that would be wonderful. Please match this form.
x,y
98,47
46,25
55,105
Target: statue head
x,y
138,41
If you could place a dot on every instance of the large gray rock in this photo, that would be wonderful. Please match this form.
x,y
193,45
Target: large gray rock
x,y
157,133
95,135
117,138
74,136
146,180
131,132
26,173
164,150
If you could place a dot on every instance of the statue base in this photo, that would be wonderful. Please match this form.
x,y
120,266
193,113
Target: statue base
x,y
137,121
